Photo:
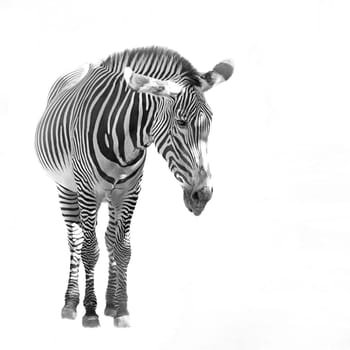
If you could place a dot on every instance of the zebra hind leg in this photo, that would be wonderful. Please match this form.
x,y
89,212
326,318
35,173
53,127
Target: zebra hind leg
x,y
70,211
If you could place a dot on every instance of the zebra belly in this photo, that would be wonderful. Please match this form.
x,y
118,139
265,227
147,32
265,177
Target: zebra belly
x,y
104,190
64,178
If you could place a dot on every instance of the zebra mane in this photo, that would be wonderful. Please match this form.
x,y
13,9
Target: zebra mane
x,y
174,66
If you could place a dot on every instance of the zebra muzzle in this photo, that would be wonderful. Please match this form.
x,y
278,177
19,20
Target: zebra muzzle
x,y
196,199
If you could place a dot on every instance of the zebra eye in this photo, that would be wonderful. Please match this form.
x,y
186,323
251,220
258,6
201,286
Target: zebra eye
x,y
181,123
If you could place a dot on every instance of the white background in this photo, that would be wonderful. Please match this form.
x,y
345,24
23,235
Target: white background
x,y
267,265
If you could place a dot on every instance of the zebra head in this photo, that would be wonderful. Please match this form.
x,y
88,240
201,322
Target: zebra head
x,y
181,127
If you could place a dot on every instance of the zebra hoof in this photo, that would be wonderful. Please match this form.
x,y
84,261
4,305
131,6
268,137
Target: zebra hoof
x,y
68,313
122,321
110,311
91,321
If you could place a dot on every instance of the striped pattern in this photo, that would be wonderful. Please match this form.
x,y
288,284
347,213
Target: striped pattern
x,y
92,141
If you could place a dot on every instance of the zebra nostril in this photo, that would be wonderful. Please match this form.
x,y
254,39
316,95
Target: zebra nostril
x,y
203,194
195,195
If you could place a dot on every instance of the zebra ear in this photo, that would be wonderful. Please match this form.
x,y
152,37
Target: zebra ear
x,y
143,83
221,72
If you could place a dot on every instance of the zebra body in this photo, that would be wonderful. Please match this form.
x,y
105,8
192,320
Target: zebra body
x,y
92,140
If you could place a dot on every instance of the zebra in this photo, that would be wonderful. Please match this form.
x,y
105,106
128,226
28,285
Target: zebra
x,y
92,141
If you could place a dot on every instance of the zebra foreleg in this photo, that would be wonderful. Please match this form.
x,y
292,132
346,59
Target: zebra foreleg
x,y
122,254
70,211
118,246
89,253
111,306
118,239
